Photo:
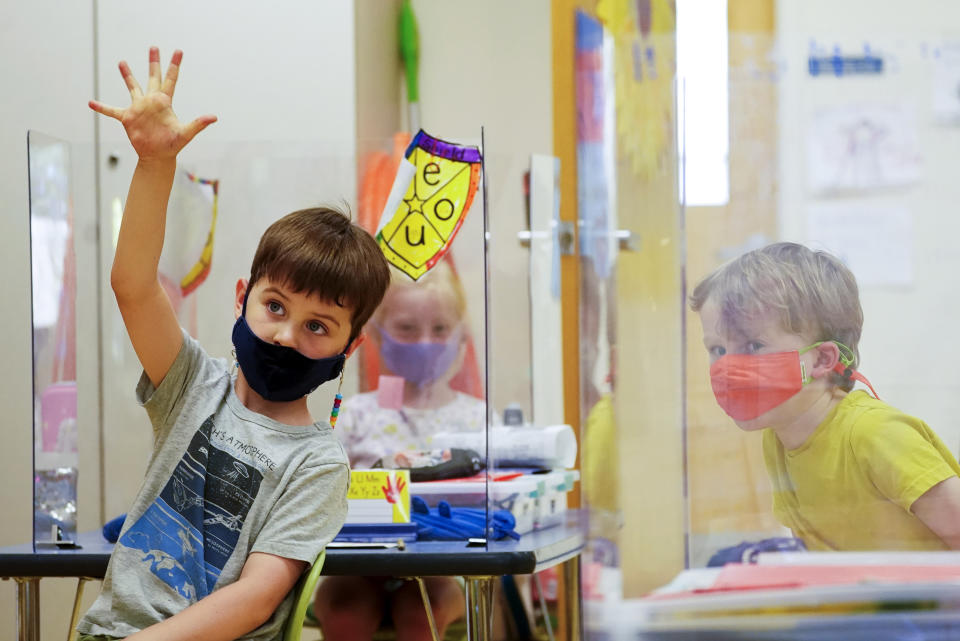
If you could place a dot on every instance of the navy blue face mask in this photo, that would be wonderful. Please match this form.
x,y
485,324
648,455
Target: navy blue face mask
x,y
276,372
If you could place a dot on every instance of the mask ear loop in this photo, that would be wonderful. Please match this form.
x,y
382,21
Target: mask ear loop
x,y
803,368
335,412
243,314
845,370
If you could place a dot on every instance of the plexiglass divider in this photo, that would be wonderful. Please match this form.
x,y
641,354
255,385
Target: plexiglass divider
x,y
729,495
54,320
630,268
422,370
420,382
532,450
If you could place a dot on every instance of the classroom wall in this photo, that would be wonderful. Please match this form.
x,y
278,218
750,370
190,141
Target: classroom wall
x,y
909,347
47,78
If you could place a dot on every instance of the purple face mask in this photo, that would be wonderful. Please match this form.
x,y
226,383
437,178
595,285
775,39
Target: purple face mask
x,y
420,362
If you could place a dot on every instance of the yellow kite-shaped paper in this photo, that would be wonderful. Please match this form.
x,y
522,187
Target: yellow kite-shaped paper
x,y
191,223
201,269
429,200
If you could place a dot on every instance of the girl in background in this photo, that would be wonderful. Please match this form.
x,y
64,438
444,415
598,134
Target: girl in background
x,y
422,335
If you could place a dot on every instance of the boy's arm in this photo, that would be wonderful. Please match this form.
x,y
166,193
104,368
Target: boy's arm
x,y
157,136
146,310
235,609
939,509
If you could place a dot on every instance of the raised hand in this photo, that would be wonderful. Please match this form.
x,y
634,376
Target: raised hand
x,y
150,123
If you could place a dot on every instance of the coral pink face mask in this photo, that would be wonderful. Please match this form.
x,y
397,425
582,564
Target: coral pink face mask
x,y
749,385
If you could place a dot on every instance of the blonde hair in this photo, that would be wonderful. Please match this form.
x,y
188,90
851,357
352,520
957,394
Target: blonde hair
x,y
811,292
440,277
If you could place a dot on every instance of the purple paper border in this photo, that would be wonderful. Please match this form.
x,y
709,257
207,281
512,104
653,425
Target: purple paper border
x,y
442,148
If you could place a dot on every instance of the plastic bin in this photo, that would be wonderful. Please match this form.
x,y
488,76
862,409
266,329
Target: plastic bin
x,y
536,501
518,495
551,502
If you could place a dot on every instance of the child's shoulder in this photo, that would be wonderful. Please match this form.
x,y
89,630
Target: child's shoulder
x,y
196,360
861,404
321,448
195,383
328,450
870,418
860,401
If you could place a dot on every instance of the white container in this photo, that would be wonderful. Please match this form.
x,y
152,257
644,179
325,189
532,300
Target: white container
x,y
518,495
551,502
546,447
536,501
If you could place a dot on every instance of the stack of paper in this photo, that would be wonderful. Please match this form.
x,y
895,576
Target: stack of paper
x,y
861,598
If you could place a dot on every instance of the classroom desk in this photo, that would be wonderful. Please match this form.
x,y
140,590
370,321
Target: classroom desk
x,y
479,566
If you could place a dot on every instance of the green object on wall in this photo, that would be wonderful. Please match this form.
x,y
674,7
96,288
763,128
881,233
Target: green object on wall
x,y
409,49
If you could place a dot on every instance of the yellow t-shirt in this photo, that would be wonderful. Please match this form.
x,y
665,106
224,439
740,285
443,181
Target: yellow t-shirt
x,y
851,485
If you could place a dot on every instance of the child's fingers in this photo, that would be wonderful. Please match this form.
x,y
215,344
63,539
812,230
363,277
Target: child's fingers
x,y
153,84
173,71
132,85
198,125
106,110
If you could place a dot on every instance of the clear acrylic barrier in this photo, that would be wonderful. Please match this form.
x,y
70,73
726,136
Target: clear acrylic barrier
x,y
630,317
856,164
497,293
853,163
259,182
532,452
422,389
729,494
876,206
54,318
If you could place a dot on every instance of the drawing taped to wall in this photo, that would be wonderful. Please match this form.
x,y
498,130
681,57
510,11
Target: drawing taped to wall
x,y
875,241
838,64
946,83
858,148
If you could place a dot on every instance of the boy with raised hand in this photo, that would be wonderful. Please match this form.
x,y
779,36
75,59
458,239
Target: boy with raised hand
x,y
782,325
243,488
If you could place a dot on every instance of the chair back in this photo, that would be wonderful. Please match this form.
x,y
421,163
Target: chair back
x,y
303,598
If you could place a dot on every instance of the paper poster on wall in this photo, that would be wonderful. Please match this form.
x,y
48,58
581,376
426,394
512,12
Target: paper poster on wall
x,y
858,148
946,83
875,242
836,63
596,145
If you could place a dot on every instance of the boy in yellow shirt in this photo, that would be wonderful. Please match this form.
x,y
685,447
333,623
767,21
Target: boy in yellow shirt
x,y
849,472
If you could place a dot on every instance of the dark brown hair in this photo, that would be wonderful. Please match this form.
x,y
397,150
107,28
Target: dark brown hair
x,y
320,252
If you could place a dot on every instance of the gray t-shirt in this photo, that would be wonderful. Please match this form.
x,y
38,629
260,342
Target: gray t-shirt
x,y
222,482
